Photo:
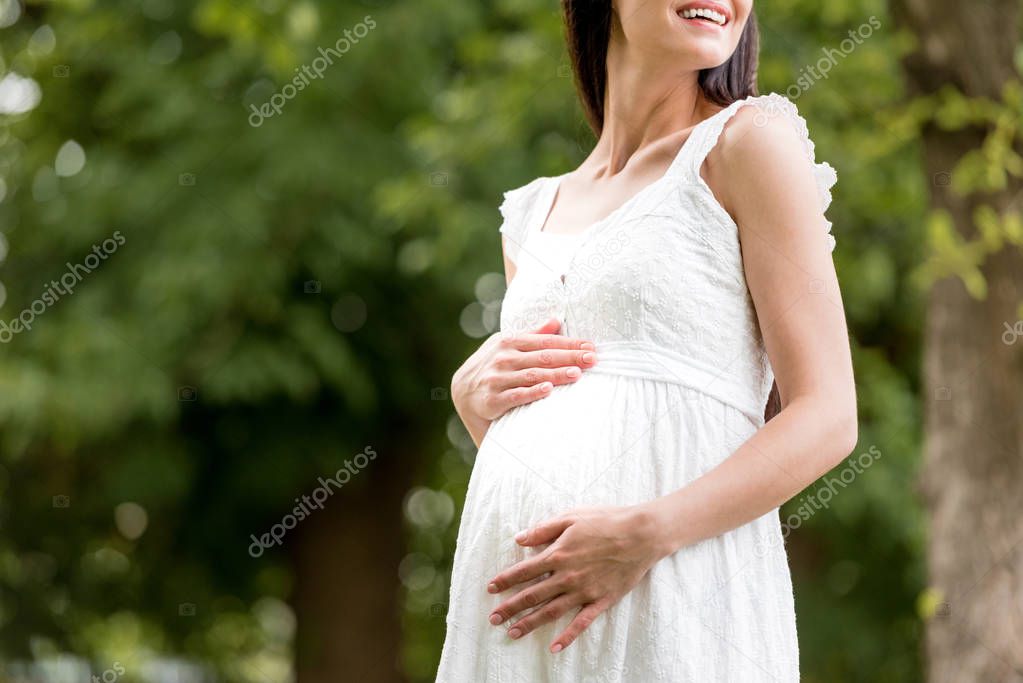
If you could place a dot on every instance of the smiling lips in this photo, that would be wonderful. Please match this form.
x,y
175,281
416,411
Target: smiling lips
x,y
705,12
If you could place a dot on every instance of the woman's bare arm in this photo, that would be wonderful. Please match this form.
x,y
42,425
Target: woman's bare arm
x,y
767,185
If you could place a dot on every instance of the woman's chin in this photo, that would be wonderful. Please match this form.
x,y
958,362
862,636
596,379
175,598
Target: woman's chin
x,y
698,57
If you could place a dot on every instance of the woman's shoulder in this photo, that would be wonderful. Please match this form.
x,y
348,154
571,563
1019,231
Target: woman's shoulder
x,y
767,121
761,146
759,126
762,116
766,133
755,125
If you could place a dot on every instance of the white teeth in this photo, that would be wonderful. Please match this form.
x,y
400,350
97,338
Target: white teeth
x,y
716,17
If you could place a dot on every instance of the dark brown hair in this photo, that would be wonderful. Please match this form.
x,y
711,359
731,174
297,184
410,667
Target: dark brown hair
x,y
588,32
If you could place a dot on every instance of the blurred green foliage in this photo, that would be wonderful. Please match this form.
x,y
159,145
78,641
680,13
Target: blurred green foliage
x,y
287,294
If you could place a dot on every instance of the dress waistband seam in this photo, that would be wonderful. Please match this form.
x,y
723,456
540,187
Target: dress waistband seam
x,y
648,361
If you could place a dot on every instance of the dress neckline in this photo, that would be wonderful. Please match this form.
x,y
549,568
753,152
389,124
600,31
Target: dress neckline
x,y
553,187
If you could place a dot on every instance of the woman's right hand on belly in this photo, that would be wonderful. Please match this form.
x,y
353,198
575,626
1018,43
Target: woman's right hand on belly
x,y
509,371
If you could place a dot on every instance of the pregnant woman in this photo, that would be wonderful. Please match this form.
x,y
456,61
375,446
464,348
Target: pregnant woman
x,y
621,521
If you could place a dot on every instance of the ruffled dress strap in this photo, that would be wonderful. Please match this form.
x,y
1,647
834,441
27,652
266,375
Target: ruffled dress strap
x,y
518,210
769,106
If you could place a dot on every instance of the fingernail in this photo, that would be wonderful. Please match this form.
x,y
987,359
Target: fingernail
x,y
573,372
556,647
587,346
514,633
521,536
546,386
496,618
492,588
588,357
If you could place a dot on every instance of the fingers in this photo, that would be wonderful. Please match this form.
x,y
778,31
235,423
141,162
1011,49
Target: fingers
x,y
581,622
511,389
550,327
549,612
551,358
540,342
546,532
533,376
523,395
520,573
526,368
528,598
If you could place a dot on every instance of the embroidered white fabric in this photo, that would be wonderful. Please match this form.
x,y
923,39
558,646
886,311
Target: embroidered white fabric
x,y
681,381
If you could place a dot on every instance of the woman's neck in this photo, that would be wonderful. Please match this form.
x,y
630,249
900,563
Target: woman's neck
x,y
643,103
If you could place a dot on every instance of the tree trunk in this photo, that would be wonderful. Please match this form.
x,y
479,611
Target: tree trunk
x,y
973,445
346,593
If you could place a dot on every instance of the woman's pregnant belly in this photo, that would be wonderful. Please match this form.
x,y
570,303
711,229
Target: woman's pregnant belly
x,y
604,440
614,440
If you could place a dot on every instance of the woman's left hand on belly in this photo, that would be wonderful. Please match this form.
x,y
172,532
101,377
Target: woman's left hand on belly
x,y
595,557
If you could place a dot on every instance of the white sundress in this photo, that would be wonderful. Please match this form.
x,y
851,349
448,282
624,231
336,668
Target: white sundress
x,y
681,381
